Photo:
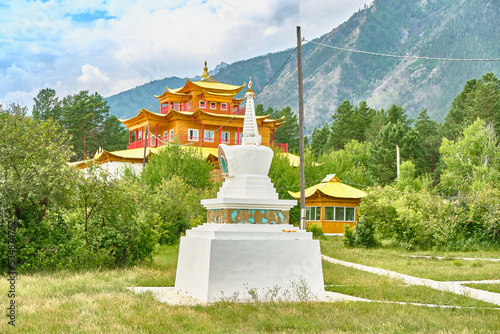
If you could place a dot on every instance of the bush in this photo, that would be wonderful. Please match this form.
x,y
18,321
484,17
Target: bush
x,y
424,221
349,238
361,235
365,235
317,231
187,163
173,207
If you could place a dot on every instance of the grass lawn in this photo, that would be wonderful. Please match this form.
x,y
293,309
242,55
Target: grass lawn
x,y
99,302
450,269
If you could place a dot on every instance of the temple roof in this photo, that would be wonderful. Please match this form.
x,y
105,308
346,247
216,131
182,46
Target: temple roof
x,y
331,186
144,116
101,156
136,155
214,85
173,96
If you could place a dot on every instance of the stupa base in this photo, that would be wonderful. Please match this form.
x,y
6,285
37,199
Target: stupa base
x,y
242,262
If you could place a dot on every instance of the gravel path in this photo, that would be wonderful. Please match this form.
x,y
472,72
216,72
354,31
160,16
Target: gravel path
x,y
454,287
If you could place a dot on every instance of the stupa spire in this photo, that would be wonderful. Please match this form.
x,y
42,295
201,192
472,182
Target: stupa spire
x,y
251,134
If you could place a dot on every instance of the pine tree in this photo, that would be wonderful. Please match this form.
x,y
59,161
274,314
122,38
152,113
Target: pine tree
x,y
350,123
428,130
83,117
319,140
479,98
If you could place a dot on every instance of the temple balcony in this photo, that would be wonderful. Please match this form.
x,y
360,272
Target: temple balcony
x,y
235,110
199,142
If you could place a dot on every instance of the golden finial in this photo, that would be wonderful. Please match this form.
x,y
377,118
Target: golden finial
x,y
250,83
205,71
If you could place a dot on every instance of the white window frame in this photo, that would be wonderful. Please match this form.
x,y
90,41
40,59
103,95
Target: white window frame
x,y
315,209
345,214
209,136
344,219
171,135
223,136
213,105
325,216
202,104
223,106
193,134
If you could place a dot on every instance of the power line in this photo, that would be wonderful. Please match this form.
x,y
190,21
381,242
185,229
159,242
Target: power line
x,y
398,56
283,65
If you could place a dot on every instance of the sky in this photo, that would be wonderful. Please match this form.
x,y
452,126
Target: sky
x,y
114,45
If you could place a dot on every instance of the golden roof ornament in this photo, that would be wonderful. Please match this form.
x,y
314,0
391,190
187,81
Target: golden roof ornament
x,y
250,83
205,71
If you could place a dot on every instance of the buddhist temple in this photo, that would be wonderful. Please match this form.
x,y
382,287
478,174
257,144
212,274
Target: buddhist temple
x,y
331,204
202,113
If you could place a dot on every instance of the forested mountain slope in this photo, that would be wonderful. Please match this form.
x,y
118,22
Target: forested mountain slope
x,y
444,29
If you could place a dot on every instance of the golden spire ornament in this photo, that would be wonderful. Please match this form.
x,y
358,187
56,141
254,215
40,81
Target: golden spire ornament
x,y
205,71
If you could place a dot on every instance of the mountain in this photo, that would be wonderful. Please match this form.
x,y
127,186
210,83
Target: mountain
x,y
426,28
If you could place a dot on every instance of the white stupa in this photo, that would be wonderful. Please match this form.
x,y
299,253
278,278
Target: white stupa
x,y
247,243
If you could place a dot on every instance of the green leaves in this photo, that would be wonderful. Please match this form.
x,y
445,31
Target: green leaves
x,y
185,162
471,161
479,98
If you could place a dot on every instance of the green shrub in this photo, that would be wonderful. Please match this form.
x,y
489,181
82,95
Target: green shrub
x,y
361,235
174,207
349,239
424,221
365,235
317,231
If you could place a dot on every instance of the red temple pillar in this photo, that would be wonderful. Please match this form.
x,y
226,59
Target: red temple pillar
x,y
202,134
156,135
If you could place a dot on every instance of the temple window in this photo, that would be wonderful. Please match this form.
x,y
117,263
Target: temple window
x,y
313,213
213,105
171,137
209,135
223,106
202,104
329,213
225,137
343,214
192,135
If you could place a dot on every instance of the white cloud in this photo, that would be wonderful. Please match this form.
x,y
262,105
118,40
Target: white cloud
x,y
92,79
144,40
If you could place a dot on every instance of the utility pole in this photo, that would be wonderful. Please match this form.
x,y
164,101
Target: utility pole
x,y
301,133
397,159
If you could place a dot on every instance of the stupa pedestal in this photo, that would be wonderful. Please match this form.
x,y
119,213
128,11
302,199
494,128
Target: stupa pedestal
x,y
247,245
218,261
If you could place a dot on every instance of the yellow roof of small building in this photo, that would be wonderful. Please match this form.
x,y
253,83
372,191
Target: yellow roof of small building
x,y
333,187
